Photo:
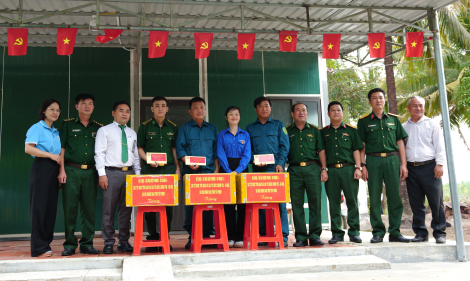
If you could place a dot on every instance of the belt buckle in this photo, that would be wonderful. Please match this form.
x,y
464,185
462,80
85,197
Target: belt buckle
x,y
124,169
303,164
84,167
161,164
383,154
415,164
338,165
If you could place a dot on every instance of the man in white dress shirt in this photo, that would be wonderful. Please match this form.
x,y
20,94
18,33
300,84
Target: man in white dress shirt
x,y
116,156
425,155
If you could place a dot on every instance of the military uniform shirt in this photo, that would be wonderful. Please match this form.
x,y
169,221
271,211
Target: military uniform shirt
x,y
153,138
79,141
304,143
380,135
340,143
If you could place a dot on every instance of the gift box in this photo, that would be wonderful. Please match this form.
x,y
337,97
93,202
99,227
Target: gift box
x,y
209,189
263,188
151,190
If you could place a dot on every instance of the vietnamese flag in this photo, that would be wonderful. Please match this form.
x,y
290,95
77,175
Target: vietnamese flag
x,y
17,41
414,44
288,42
245,46
376,45
110,34
203,44
158,42
66,40
331,46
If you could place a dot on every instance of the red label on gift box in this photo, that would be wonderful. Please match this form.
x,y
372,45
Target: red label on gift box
x,y
198,160
210,189
158,157
153,190
265,158
265,187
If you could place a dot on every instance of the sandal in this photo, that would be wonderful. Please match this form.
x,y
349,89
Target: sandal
x,y
45,255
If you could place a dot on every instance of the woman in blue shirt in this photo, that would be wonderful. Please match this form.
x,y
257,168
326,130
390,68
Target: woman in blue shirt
x,y
234,153
43,144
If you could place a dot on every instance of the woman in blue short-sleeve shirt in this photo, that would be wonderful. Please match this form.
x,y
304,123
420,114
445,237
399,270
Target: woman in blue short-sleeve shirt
x,y
43,144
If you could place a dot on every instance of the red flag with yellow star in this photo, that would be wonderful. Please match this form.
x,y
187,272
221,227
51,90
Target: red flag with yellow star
x,y
376,45
158,42
331,46
288,42
17,41
414,44
245,46
110,34
203,44
66,40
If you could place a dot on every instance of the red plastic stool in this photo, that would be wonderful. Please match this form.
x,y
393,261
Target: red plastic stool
x,y
251,233
163,242
197,239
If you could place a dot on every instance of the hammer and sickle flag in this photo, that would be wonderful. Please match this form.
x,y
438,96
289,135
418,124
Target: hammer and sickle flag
x,y
331,44
158,42
376,45
288,41
66,40
203,44
17,41
110,34
245,46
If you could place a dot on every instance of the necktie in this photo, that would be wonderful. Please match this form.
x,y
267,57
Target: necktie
x,y
124,144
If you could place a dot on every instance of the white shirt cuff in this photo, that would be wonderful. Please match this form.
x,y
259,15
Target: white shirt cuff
x,y
101,172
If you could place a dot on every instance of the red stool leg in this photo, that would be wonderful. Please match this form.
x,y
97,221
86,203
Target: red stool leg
x,y
270,226
164,231
254,227
197,228
193,229
247,229
216,222
221,228
277,217
139,229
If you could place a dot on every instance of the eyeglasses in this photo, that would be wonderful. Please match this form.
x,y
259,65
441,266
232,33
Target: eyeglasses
x,y
54,110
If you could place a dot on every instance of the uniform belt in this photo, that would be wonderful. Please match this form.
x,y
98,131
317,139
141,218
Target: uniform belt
x,y
83,167
386,154
421,163
303,164
162,165
124,169
339,165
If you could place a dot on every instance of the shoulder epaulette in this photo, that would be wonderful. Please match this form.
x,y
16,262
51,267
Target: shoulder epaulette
x,y
288,126
171,123
146,122
314,126
364,116
68,120
101,125
325,127
354,127
393,115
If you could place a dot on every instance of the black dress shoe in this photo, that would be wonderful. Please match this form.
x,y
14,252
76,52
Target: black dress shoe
x,y
355,239
286,244
335,239
315,242
188,245
376,239
300,243
153,249
441,240
68,252
108,249
262,243
125,247
398,239
419,238
89,251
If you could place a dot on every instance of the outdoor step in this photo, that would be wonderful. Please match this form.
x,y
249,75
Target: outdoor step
x,y
114,274
286,266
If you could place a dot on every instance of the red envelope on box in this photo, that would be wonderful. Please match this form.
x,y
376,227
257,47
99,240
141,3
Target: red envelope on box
x,y
156,158
195,160
264,159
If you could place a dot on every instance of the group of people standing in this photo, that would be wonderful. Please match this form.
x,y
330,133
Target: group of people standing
x,y
84,152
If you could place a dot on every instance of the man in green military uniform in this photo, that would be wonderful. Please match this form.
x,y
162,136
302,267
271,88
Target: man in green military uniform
x,y
342,147
382,135
158,135
78,175
305,176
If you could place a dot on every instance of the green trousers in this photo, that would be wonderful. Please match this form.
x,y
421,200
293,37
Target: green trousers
x,y
80,189
384,170
151,218
306,179
342,179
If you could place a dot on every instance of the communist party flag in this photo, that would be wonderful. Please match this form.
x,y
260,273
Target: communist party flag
x,y
158,42
331,46
17,41
203,44
414,44
376,45
288,42
245,46
66,40
110,34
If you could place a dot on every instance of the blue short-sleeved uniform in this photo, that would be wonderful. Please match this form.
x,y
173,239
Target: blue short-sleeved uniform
x,y
238,146
45,138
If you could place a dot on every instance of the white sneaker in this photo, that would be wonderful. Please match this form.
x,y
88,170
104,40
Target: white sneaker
x,y
231,243
238,244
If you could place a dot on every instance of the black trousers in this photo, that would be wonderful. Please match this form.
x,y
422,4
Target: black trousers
x,y
234,227
43,197
421,183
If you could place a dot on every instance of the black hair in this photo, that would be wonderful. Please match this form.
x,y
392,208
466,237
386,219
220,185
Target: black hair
x,y
118,103
375,90
293,106
83,96
333,103
44,107
159,98
230,108
196,99
259,100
